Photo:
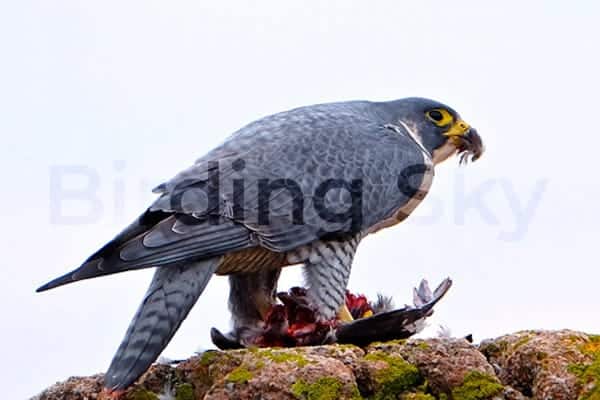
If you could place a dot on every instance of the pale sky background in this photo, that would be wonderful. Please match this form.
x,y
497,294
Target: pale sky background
x,y
122,95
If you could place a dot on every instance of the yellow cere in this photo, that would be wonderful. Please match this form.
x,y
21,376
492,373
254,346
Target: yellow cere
x,y
459,128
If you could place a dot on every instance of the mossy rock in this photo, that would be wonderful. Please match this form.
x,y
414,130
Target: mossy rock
x,y
239,375
283,356
184,391
417,396
477,386
397,377
588,374
209,356
203,371
326,388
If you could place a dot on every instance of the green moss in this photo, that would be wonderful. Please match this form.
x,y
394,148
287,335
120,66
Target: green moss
x,y
423,346
417,396
355,394
494,349
477,386
184,391
141,394
424,387
577,369
345,346
239,375
589,373
327,388
208,357
394,342
396,378
490,350
502,345
572,339
524,340
287,356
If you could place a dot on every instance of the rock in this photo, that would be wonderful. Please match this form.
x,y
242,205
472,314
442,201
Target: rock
x,y
74,388
559,365
526,365
287,374
450,366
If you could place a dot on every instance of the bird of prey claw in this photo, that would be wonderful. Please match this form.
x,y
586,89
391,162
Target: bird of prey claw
x,y
301,187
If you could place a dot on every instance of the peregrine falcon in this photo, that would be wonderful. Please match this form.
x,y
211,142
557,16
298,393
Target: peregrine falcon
x,y
303,186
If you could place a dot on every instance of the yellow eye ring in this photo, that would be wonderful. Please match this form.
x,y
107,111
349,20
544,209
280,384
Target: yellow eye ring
x,y
440,117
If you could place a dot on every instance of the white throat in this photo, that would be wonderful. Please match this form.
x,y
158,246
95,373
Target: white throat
x,y
416,137
443,152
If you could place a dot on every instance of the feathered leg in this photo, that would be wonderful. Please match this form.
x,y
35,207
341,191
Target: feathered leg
x,y
172,293
250,298
327,271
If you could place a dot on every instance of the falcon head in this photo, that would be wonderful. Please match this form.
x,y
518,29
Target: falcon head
x,y
439,129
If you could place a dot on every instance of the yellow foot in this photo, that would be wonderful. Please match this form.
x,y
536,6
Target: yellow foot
x,y
344,314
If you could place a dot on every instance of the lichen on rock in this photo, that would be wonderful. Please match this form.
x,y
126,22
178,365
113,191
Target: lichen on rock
x,y
588,373
184,391
392,376
239,375
540,364
327,388
477,386
557,365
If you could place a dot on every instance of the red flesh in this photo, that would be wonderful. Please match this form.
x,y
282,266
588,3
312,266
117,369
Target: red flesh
x,y
294,322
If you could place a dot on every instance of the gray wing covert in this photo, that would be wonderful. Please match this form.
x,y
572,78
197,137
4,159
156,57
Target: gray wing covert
x,y
295,162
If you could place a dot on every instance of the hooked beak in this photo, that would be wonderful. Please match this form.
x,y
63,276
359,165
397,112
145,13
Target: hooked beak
x,y
467,141
470,145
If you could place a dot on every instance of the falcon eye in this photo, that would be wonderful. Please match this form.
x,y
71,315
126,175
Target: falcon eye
x,y
436,115
439,116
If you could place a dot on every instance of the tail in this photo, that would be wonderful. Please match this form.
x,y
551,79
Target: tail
x,y
172,293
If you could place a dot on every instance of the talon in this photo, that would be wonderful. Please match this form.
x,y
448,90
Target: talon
x,y
344,314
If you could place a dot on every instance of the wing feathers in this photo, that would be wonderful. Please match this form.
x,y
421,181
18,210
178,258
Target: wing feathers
x,y
159,245
163,245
